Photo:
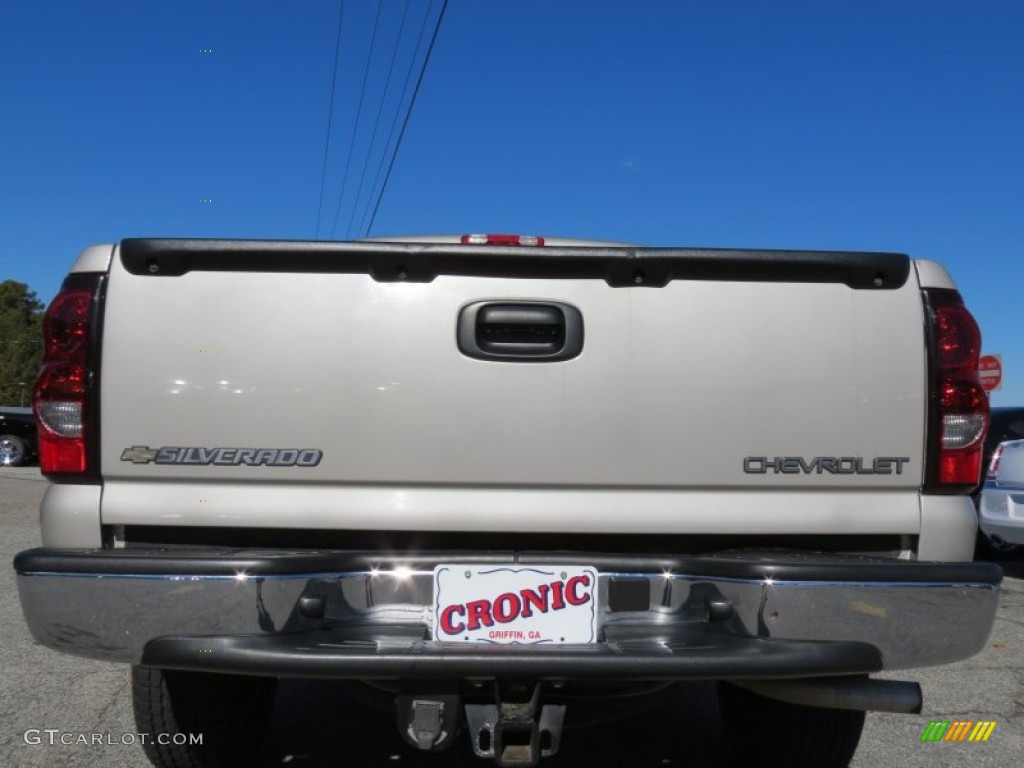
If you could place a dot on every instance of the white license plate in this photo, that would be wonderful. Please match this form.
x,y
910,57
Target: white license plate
x,y
515,604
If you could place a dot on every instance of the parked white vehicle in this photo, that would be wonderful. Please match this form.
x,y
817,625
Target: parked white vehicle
x,y
1002,498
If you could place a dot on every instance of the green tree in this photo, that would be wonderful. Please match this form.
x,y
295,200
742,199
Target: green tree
x,y
21,341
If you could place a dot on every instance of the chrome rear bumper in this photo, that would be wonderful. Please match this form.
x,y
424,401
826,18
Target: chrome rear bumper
x,y
342,614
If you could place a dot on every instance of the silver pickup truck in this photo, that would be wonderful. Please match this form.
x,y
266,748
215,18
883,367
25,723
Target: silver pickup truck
x,y
492,481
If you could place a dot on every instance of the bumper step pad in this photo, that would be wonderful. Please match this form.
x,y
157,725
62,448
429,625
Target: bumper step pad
x,y
679,653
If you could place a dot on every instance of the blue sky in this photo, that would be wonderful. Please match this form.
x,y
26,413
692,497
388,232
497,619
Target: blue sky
x,y
845,125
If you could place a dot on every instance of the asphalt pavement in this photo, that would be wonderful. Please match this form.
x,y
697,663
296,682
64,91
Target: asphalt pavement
x,y
46,696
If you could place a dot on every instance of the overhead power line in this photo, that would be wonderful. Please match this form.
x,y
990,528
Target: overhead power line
x,y
376,122
408,114
330,117
421,37
359,114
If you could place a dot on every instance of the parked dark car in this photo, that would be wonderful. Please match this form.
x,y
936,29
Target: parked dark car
x,y
18,443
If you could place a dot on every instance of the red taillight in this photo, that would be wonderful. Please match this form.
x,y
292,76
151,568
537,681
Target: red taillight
x,y
959,403
958,337
502,240
64,398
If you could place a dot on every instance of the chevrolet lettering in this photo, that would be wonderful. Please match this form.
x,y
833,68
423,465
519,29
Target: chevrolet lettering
x,y
831,465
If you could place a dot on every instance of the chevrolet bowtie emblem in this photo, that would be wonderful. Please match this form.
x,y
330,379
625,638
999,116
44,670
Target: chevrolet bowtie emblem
x,y
139,454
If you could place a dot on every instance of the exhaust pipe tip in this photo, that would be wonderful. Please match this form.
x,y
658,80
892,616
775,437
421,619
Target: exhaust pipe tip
x,y
857,692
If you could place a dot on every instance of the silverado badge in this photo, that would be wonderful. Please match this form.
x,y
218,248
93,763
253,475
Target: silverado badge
x,y
224,457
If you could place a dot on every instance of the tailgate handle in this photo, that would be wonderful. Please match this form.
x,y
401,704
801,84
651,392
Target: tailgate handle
x,y
522,331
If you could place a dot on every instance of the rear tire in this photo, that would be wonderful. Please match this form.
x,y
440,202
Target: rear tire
x,y
987,548
765,732
13,451
230,711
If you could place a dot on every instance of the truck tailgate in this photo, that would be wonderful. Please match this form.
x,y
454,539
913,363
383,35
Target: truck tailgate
x,y
684,400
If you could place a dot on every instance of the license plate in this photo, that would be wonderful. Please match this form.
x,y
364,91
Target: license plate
x,y
515,604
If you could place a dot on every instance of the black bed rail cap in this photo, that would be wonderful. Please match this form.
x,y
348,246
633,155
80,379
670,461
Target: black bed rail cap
x,y
619,266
